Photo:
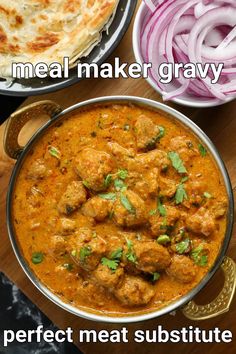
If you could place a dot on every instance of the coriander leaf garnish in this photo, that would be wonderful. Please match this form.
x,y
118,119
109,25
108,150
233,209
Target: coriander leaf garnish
x,y
151,144
54,152
203,260
161,208
198,256
37,257
176,161
127,204
130,255
111,214
111,264
119,185
84,253
202,150
117,254
207,195
184,179
126,127
180,194
153,212
183,246
108,196
155,276
123,174
86,184
107,181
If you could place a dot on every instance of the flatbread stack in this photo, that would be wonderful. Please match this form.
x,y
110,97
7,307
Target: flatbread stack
x,y
49,30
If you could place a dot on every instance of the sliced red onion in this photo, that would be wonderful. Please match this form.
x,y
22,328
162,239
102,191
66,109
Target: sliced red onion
x,y
150,5
196,31
231,36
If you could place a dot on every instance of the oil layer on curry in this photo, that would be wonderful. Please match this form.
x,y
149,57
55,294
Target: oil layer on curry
x,y
119,209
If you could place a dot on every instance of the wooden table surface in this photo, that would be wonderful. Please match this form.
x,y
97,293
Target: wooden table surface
x,y
220,125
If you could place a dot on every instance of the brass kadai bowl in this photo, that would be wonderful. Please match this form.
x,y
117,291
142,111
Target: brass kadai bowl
x,y
186,303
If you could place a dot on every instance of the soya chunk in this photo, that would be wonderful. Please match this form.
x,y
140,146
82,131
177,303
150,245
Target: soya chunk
x,y
160,225
108,278
97,208
182,269
167,187
74,196
155,158
145,184
93,166
38,169
202,222
146,133
58,245
151,257
219,208
184,147
125,158
87,249
134,291
67,226
129,209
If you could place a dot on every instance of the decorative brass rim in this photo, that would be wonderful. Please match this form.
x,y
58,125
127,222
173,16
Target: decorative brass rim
x,y
222,302
18,119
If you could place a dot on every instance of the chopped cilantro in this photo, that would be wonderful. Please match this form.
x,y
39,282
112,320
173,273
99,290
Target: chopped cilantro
x,y
176,161
180,194
54,152
161,208
151,144
183,246
111,264
108,196
114,260
117,254
155,276
123,174
126,127
111,214
84,253
37,257
107,181
202,150
130,255
184,179
153,212
198,256
127,204
86,184
119,185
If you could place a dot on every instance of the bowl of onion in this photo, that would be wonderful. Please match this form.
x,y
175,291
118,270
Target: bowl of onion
x,y
198,32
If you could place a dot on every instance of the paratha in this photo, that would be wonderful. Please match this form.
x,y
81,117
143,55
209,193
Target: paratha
x,y
49,30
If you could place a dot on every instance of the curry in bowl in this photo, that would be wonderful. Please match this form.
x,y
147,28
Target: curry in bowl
x,y
119,209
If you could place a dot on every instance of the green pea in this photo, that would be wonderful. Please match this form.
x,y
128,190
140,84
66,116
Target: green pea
x,y
163,239
37,257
